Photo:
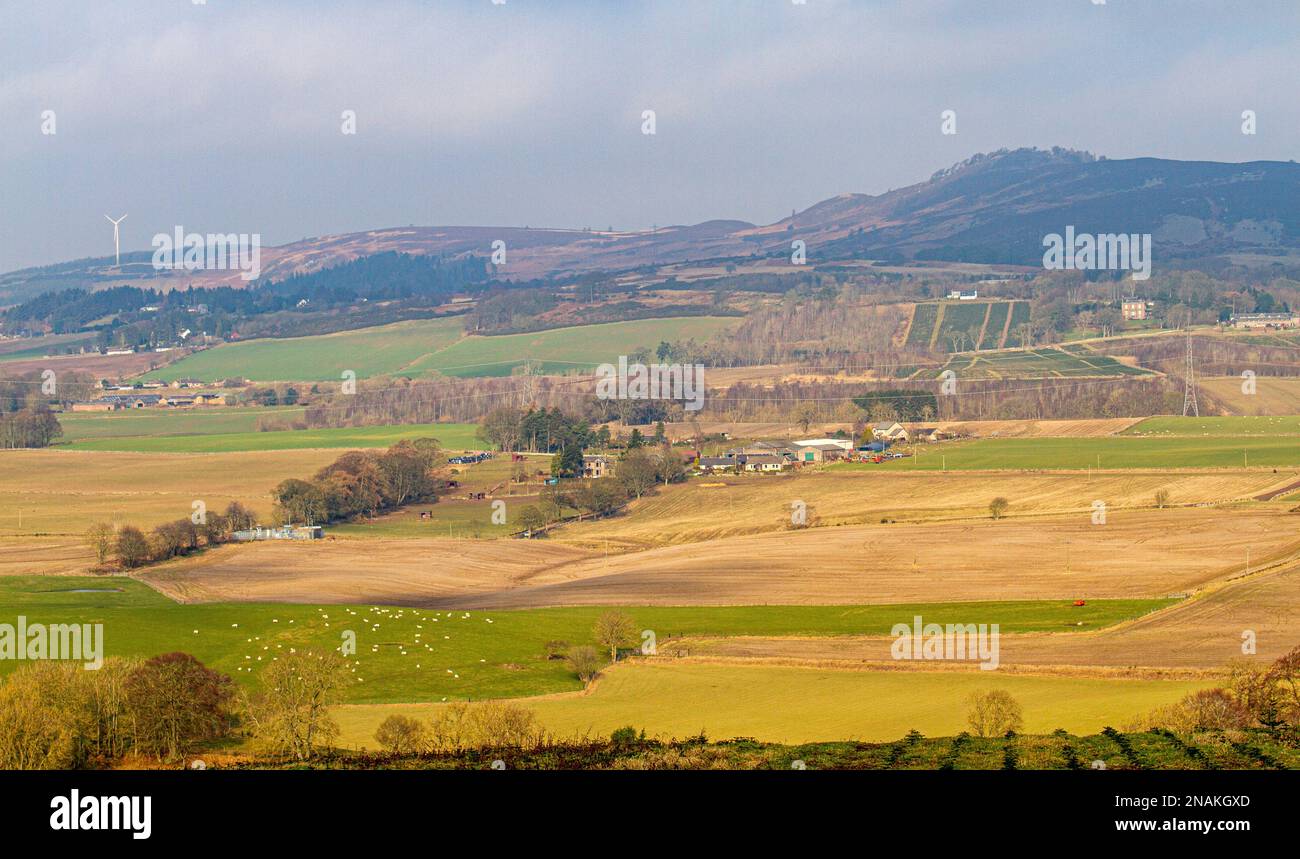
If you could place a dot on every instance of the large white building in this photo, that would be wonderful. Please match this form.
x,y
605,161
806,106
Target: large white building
x,y
843,444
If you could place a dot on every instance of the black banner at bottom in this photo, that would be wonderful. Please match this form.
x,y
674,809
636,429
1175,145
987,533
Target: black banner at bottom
x,y
137,810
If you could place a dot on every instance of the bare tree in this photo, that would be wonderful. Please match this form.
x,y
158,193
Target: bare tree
x,y
291,714
614,629
99,538
131,547
637,472
994,713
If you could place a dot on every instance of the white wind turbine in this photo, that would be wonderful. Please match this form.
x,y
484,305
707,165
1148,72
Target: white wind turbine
x,y
117,240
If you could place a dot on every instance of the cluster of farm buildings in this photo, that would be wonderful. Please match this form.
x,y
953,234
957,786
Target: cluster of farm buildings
x,y
142,396
770,456
1266,320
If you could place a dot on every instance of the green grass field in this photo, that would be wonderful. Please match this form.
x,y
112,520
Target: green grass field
x,y
997,322
800,705
1288,425
921,331
962,320
452,436
1107,452
207,420
406,654
427,345
365,351
562,349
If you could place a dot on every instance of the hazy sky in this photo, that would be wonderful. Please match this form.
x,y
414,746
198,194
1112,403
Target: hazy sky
x,y
226,116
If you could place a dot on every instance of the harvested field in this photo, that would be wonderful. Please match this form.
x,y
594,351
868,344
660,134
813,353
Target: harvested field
x,y
753,504
1273,395
1136,554
1037,429
398,572
96,365
1202,633
62,492
45,556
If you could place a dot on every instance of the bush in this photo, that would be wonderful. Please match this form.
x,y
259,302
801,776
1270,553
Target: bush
x,y
489,725
401,735
585,662
998,507
626,736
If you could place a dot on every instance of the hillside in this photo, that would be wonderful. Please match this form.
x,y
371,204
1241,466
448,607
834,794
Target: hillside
x,y
425,346
992,208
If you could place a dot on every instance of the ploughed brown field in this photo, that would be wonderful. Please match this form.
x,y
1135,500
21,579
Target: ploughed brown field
x,y
1135,554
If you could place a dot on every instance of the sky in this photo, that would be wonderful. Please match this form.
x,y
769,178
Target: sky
x,y
225,116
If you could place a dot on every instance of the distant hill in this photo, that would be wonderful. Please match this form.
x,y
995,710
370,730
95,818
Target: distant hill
x,y
992,208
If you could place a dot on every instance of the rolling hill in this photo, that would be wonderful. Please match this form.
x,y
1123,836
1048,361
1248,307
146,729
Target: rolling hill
x,y
425,346
992,208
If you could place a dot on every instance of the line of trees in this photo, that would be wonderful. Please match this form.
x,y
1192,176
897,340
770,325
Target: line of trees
x,y
387,400
36,427
26,419
57,715
363,483
1254,696
130,547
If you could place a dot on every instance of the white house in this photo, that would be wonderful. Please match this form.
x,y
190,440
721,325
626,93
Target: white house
x,y
890,431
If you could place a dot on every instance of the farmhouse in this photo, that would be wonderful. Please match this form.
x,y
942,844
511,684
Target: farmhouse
x,y
892,431
1135,308
718,463
597,466
765,462
959,295
927,434
761,448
